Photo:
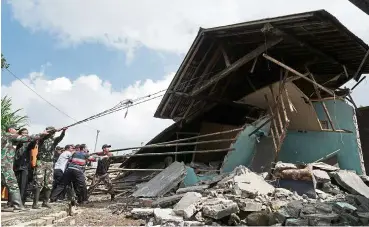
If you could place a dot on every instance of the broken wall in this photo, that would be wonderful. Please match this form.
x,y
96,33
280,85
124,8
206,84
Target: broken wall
x,y
309,146
244,147
362,114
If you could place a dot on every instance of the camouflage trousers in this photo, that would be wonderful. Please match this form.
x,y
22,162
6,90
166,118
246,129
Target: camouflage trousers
x,y
43,175
97,180
8,176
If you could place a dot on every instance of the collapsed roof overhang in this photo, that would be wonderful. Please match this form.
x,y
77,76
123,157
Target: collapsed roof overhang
x,y
226,63
361,4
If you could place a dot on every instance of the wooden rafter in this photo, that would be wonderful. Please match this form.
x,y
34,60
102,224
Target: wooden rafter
x,y
236,65
225,56
359,71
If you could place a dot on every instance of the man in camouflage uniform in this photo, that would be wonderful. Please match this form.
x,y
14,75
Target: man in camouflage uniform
x,y
9,140
44,169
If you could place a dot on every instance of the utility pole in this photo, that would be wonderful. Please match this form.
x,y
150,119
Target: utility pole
x,y
97,136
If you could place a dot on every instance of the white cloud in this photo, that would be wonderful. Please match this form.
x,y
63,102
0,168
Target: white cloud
x,y
163,25
84,97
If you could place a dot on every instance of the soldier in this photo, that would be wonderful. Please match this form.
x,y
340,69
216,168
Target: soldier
x,y
102,174
44,169
8,142
22,163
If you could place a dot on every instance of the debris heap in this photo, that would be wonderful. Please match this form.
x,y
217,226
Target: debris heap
x,y
242,197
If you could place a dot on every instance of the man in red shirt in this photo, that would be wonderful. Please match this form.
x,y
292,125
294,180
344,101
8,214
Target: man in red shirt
x,y
102,174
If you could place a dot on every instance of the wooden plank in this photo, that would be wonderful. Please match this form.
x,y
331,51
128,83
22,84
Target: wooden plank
x,y
345,70
173,153
253,65
273,120
298,74
236,65
361,67
276,108
225,56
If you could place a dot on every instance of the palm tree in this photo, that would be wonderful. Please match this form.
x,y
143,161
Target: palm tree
x,y
9,117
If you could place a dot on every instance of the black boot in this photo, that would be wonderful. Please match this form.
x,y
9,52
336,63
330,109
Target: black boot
x,y
46,199
17,201
36,197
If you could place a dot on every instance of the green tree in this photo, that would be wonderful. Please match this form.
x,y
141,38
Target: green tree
x,y
4,64
10,117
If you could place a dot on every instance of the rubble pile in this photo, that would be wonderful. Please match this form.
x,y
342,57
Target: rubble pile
x,y
242,197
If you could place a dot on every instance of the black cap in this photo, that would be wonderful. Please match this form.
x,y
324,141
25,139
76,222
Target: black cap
x,y
106,146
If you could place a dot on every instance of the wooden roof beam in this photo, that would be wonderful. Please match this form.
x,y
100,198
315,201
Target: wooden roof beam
x,y
237,64
359,71
288,37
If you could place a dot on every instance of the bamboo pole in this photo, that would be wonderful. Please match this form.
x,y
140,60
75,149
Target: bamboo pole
x,y
123,169
173,145
298,74
173,153
205,135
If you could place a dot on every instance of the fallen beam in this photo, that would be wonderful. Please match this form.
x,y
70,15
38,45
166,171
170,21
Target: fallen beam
x,y
179,152
236,65
174,144
359,71
298,74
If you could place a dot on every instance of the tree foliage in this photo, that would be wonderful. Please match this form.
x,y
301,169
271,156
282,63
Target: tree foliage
x,y
10,117
4,64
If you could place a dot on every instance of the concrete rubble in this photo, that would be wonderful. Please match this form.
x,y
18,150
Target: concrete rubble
x,y
243,197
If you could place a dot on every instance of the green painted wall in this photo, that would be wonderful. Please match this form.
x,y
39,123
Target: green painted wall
x,y
310,146
244,147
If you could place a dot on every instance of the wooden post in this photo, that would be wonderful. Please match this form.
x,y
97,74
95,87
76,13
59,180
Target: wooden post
x,y
274,120
278,114
179,152
298,74
323,104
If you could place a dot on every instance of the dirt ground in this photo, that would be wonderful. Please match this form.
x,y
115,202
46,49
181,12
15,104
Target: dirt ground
x,y
97,213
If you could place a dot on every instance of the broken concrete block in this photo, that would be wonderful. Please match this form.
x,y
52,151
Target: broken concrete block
x,y
296,222
167,201
351,182
250,184
294,208
364,217
166,215
340,207
277,204
187,206
279,166
199,188
260,218
142,212
219,208
321,176
322,217
282,215
324,166
249,205
163,182
282,193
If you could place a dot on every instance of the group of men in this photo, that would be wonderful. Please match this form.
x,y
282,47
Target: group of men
x,y
55,171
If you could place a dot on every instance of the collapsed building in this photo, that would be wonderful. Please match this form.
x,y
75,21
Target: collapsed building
x,y
273,87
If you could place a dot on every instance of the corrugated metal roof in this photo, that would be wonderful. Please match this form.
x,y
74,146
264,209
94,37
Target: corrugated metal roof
x,y
319,38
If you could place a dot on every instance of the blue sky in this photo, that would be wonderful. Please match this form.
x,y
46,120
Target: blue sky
x,y
28,50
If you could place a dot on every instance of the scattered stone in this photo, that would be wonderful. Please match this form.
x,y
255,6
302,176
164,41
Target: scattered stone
x,y
278,204
142,213
187,206
167,201
282,215
282,193
340,207
331,189
321,176
280,166
193,223
321,194
351,182
198,217
234,219
296,222
199,188
249,205
322,217
260,218
294,208
364,217
219,208
166,215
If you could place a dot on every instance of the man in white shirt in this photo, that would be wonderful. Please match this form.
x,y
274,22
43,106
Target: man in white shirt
x,y
61,164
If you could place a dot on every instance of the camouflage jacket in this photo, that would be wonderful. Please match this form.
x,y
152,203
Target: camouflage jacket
x,y
47,147
22,159
10,141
